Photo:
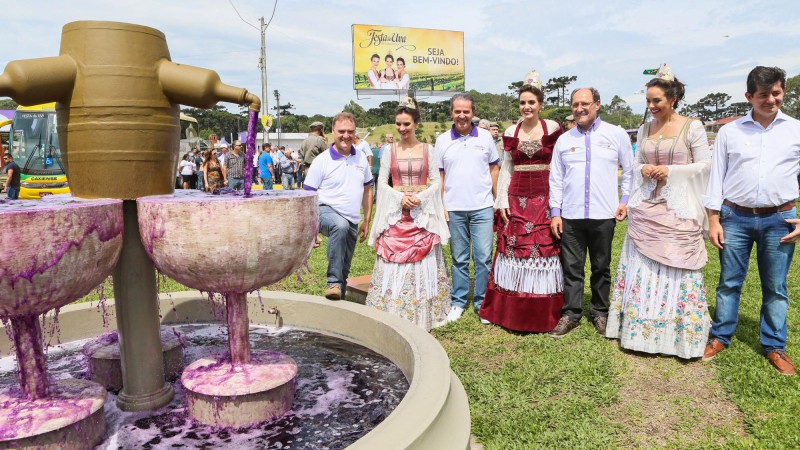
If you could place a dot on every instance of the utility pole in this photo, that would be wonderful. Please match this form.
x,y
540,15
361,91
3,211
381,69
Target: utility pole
x,y
263,66
278,112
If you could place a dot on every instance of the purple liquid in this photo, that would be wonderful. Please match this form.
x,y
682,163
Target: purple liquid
x,y
251,151
344,390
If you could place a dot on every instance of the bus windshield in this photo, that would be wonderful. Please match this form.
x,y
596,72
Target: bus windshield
x,y
34,143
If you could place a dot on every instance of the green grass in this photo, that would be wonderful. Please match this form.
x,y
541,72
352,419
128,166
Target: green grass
x,y
530,391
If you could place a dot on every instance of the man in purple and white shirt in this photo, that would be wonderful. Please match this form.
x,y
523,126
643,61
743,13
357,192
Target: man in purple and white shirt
x,y
584,204
342,178
468,166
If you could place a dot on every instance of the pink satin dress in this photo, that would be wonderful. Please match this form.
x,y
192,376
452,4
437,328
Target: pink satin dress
x,y
404,242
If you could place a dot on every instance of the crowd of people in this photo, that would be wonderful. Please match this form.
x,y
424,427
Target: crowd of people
x,y
552,196
220,167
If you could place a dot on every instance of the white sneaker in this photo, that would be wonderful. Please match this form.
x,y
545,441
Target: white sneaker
x,y
485,322
455,314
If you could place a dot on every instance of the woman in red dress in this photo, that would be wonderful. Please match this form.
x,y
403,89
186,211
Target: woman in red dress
x,y
525,291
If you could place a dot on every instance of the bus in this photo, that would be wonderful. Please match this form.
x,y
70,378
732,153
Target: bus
x,y
33,142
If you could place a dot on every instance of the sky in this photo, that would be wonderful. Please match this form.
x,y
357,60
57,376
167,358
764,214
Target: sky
x,y
711,45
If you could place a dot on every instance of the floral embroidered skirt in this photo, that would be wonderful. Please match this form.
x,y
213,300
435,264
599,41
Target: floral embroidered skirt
x,y
418,292
656,308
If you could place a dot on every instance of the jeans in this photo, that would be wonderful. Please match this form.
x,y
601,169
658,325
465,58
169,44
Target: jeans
x,y
742,229
342,236
287,181
470,230
201,181
578,236
266,183
236,183
13,193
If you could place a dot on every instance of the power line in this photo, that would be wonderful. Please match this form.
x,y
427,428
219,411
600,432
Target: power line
x,y
240,16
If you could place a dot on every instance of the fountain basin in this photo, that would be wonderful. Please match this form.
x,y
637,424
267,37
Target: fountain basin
x,y
434,413
268,227
58,250
69,417
104,357
237,395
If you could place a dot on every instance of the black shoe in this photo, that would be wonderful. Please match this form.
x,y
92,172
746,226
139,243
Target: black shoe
x,y
565,325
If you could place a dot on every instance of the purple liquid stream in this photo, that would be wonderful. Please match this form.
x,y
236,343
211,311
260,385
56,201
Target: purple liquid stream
x,y
251,151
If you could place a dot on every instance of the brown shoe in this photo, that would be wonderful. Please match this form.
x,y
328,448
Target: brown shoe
x,y
334,292
713,347
564,326
600,325
780,360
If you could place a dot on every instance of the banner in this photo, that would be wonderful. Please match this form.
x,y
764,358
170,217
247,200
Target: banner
x,y
407,58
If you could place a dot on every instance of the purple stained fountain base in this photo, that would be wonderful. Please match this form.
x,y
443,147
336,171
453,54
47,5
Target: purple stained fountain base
x,y
70,417
104,357
223,394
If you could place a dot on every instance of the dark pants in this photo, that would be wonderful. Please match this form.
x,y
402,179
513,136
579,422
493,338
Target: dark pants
x,y
578,236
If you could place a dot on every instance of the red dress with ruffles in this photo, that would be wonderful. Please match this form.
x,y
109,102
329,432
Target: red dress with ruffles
x,y
526,236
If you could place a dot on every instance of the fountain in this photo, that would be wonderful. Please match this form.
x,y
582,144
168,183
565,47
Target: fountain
x,y
62,249
117,94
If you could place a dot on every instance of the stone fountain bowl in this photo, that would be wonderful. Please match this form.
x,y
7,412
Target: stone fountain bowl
x,y
229,243
55,251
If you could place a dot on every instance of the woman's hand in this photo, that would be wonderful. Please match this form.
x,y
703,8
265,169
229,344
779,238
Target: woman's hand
x,y
647,170
410,201
505,214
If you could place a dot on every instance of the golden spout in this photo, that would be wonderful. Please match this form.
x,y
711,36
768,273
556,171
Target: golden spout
x,y
40,80
253,100
197,87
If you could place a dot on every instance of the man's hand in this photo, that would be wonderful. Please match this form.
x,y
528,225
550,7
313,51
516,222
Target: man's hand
x,y
317,242
621,213
505,213
363,231
792,237
556,227
715,232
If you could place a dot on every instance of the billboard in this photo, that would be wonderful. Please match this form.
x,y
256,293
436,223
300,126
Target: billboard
x,y
393,58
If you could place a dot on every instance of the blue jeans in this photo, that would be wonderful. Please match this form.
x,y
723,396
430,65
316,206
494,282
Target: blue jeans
x,y
266,183
287,181
470,230
13,193
201,181
236,183
742,229
342,236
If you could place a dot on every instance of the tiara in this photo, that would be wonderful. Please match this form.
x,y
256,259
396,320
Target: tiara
x,y
665,73
533,79
409,102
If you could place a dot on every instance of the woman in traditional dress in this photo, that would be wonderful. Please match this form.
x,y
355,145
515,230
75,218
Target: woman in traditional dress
x,y
658,303
212,171
525,291
372,73
388,75
402,75
410,278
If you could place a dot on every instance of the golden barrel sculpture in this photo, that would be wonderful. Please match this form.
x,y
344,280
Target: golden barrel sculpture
x,y
117,94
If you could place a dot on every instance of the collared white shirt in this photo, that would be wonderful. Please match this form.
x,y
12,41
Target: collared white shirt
x,y
339,181
465,161
583,172
364,148
753,166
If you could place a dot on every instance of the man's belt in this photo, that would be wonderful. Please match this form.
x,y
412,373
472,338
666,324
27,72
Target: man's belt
x,y
765,210
531,167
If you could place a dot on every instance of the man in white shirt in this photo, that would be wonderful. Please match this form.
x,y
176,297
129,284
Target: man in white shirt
x,y
343,180
468,167
584,204
751,200
387,145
